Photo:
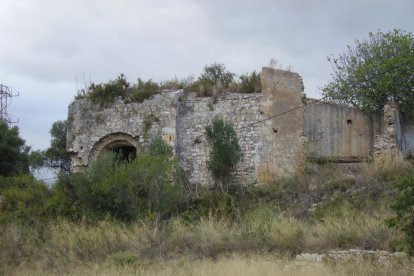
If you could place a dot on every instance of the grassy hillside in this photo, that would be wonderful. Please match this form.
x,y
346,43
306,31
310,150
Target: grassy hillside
x,y
238,232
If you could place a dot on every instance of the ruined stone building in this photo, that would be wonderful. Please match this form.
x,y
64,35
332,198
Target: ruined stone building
x,y
278,130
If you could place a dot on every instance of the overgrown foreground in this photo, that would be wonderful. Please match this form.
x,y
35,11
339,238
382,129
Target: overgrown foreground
x,y
84,224
209,247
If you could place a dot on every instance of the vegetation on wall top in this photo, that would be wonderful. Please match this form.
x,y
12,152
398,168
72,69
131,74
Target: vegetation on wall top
x,y
213,81
120,88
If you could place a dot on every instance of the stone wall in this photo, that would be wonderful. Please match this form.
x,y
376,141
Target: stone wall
x,y
389,142
377,256
192,147
91,128
282,136
181,120
408,134
409,139
339,134
277,129
269,132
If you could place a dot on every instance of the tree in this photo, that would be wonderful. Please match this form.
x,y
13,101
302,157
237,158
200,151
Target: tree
x,y
13,151
225,150
215,74
56,155
374,72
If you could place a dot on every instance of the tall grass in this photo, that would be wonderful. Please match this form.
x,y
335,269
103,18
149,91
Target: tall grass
x,y
69,244
256,221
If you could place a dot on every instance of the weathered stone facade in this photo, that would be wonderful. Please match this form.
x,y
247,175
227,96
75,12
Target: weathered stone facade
x,y
92,128
278,129
192,148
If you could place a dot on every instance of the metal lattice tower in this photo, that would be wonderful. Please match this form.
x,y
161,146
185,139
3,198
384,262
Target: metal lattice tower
x,y
5,97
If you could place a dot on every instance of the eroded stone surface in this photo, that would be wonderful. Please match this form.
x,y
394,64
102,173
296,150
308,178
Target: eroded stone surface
x,y
277,133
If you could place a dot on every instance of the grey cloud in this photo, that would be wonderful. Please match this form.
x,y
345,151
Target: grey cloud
x,y
48,45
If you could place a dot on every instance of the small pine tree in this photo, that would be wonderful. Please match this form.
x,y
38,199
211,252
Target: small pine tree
x,y
225,151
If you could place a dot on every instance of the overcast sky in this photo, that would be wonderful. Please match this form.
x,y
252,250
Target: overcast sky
x,y
51,48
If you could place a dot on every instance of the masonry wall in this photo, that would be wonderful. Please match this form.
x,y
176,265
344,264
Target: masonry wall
x,y
271,148
195,114
409,139
277,129
407,130
282,135
340,134
92,127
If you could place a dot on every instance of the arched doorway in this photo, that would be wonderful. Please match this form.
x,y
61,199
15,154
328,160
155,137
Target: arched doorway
x,y
124,150
122,144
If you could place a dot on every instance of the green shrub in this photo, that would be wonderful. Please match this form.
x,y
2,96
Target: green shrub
x,y
22,199
148,186
211,202
403,207
143,90
251,83
108,92
216,73
175,84
213,80
225,150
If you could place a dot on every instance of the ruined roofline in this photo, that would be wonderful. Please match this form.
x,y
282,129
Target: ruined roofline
x,y
129,96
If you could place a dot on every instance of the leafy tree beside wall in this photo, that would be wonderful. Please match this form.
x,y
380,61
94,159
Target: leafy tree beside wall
x,y
56,156
225,151
374,72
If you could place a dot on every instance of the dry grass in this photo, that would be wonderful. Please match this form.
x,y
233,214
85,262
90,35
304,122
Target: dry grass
x,y
261,242
68,245
353,230
233,265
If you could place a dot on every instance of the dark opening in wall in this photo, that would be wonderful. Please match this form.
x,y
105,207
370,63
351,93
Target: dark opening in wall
x,y
349,122
124,153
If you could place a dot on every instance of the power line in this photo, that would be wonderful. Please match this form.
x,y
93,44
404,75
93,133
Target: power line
x,y
283,113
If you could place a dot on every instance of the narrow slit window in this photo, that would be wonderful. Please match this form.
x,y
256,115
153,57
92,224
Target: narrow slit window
x,y
349,122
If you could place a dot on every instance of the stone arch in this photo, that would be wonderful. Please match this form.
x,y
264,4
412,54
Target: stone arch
x,y
114,141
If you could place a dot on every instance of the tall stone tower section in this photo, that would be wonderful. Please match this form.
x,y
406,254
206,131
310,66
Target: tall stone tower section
x,y
282,134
